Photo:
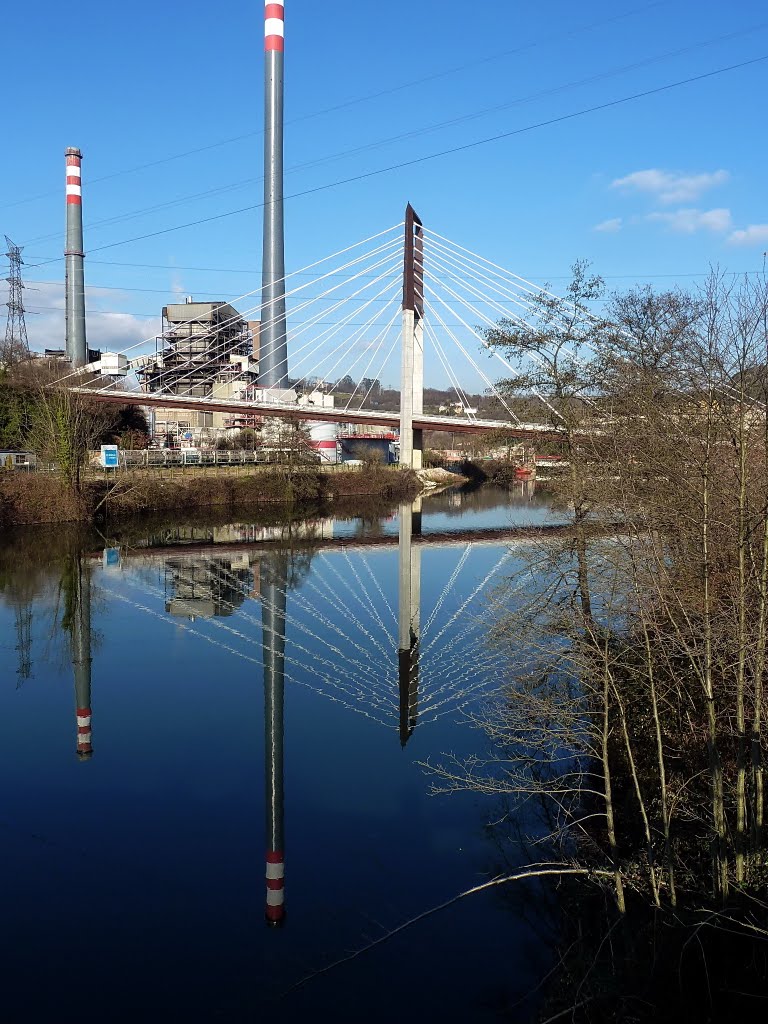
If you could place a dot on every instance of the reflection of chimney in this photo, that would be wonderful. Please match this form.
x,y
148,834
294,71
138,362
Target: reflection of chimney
x,y
80,642
273,589
409,611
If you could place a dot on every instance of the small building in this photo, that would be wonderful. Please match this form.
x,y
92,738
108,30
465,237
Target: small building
x,y
456,409
18,460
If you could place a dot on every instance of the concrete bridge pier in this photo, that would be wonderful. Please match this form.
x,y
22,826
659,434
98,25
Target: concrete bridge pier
x,y
409,618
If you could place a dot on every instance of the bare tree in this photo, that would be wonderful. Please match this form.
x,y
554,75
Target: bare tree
x,y
65,427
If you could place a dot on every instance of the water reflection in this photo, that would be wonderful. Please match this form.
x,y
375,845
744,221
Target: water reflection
x,y
274,594
378,621
206,587
409,617
76,586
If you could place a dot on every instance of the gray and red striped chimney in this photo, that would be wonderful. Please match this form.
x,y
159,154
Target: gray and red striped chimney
x,y
273,344
77,349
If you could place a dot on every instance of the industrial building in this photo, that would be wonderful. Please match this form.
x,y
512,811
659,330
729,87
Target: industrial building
x,y
206,350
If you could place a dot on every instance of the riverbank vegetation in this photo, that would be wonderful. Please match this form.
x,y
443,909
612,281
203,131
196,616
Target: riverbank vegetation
x,y
62,429
27,499
635,713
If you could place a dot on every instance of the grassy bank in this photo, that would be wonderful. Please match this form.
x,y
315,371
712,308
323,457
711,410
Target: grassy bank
x,y
27,499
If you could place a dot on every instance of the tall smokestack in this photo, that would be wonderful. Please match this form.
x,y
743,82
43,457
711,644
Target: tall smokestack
x,y
273,350
77,350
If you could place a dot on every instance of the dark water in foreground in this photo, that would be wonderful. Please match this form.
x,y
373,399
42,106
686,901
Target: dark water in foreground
x,y
244,698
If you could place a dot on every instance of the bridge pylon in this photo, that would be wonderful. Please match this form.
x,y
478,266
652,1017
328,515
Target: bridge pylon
x,y
412,365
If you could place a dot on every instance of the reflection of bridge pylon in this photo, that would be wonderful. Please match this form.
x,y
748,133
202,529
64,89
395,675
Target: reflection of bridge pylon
x,y
273,602
409,618
79,613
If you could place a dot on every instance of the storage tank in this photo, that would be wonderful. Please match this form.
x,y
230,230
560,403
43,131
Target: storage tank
x,y
323,440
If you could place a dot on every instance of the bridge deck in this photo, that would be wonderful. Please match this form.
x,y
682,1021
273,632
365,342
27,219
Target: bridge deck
x,y
455,424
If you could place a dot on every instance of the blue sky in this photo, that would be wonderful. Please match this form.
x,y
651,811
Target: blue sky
x,y
655,189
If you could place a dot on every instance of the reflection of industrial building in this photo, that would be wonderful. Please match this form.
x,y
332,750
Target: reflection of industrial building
x,y
243,533
206,350
204,588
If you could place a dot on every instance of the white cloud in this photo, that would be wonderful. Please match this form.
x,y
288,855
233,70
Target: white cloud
x,y
688,221
671,186
610,226
109,331
754,234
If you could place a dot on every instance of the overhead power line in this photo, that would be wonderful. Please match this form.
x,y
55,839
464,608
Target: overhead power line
x,y
256,272
346,104
419,132
465,147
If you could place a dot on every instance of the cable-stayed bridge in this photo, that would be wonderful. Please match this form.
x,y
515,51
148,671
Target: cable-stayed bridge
x,y
354,628
380,303
342,628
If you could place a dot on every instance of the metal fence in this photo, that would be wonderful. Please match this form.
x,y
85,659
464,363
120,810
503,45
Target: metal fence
x,y
190,457
167,458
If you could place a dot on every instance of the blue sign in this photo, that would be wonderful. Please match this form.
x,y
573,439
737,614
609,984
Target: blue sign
x,y
110,456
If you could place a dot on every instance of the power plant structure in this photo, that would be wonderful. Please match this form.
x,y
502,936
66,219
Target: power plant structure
x,y
74,255
205,350
273,367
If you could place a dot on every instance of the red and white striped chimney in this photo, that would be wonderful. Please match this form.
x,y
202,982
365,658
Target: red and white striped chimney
x,y
274,25
84,747
74,160
275,910
77,348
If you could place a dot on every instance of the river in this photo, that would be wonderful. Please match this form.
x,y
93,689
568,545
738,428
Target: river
x,y
181,701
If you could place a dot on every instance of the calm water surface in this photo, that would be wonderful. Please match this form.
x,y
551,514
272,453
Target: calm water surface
x,y
243,699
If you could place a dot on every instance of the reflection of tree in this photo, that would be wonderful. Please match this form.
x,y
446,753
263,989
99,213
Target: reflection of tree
x,y
28,580
481,498
636,705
